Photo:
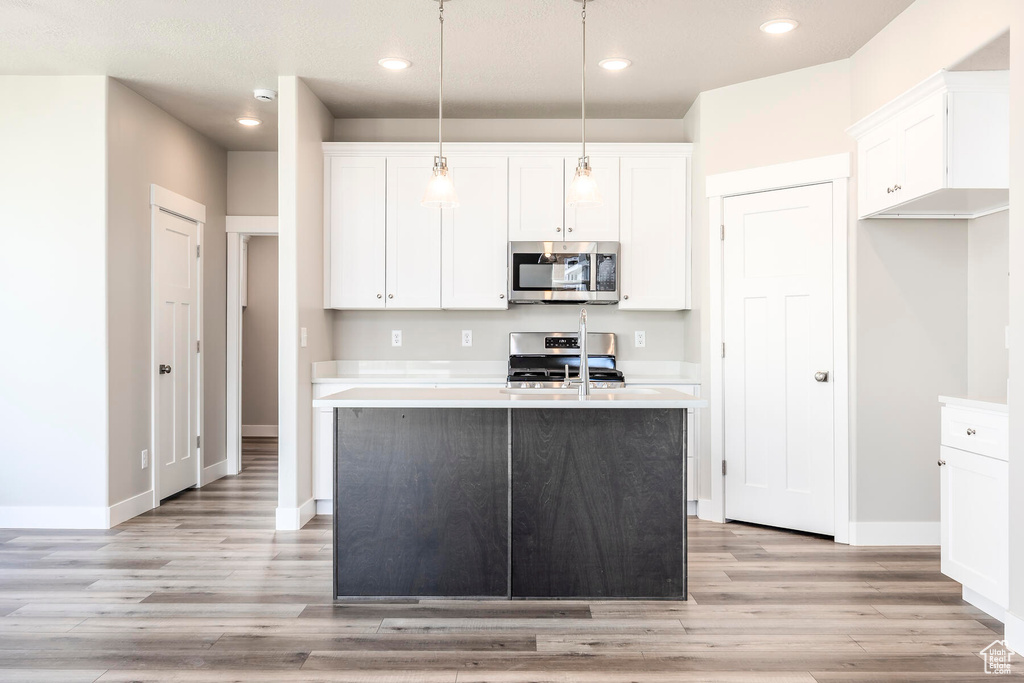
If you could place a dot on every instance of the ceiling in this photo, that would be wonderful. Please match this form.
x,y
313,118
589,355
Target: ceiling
x,y
201,59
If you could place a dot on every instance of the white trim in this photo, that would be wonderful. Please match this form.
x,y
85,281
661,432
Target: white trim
x,y
177,204
833,169
251,225
1014,632
53,517
989,607
507,149
128,508
213,472
894,533
779,176
325,506
259,430
293,519
691,508
233,349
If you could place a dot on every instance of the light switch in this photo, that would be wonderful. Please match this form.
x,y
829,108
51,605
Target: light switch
x,y
302,337
145,458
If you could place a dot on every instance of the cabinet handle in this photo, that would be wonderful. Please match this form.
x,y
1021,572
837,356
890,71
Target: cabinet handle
x,y
378,296
558,230
391,296
625,297
971,432
941,463
501,296
570,229
897,188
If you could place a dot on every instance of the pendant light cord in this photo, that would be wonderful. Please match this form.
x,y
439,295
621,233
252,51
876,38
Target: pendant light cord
x,y
440,86
584,99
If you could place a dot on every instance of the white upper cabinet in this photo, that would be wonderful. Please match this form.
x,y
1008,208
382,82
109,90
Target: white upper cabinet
x,y
413,239
474,236
355,194
655,253
536,199
598,223
939,150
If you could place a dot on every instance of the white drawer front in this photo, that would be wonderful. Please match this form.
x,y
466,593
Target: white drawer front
x,y
976,431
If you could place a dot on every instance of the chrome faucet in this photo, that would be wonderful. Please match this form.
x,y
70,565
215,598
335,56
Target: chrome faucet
x,y
584,374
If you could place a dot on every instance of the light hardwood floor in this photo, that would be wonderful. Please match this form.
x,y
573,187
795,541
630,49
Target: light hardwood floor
x,y
203,589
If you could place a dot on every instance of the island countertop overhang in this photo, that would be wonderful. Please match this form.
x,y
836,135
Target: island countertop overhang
x,y
495,397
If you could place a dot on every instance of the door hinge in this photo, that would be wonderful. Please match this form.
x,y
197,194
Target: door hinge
x,y
197,251
723,233
197,346
723,349
197,441
724,468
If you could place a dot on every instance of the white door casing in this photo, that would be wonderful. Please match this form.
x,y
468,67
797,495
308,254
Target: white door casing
x,y
778,331
474,236
176,330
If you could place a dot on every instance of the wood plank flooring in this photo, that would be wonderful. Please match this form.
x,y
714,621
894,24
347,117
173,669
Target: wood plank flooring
x,y
204,590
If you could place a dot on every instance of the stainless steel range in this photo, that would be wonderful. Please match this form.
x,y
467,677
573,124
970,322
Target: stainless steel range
x,y
546,360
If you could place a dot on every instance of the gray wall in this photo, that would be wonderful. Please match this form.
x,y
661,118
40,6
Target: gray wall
x,y
52,296
988,312
259,335
147,145
508,130
252,183
436,335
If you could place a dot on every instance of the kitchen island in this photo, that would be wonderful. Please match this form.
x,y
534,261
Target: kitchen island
x,y
509,493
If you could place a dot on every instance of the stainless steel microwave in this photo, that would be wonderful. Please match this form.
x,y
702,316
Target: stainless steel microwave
x,y
563,272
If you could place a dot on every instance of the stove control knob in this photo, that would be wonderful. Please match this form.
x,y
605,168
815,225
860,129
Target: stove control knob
x,y
537,385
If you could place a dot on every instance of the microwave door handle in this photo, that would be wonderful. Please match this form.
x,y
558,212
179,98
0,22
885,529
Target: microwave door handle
x,y
593,272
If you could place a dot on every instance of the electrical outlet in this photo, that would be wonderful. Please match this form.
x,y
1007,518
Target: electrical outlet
x,y
396,337
467,337
145,458
640,339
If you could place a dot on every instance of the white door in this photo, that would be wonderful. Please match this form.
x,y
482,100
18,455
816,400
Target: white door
x,y
536,199
654,269
595,223
356,214
177,330
413,237
778,334
474,236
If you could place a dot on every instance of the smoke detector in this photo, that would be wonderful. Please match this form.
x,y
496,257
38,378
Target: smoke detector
x,y
264,95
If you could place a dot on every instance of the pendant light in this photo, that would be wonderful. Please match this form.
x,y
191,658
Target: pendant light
x,y
440,193
583,191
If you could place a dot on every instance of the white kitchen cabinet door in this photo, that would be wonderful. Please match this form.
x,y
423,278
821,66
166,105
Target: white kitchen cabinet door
x,y
655,264
921,133
536,199
413,237
879,164
355,253
597,223
474,236
974,522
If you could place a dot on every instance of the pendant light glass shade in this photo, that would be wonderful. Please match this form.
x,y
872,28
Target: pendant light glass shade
x,y
583,191
440,193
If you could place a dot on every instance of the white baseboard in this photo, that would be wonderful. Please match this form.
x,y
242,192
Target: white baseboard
x,y
894,533
53,517
129,507
325,506
214,472
1014,633
259,430
293,519
706,511
989,607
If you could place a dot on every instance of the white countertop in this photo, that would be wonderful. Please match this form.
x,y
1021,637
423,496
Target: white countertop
x,y
494,397
996,406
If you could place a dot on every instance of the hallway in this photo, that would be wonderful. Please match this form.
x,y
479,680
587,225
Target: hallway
x,y
202,589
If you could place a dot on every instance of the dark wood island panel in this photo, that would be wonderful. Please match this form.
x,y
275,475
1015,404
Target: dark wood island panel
x,y
598,503
421,502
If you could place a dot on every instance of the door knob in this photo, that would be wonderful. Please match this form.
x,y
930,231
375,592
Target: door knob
x,y
165,369
821,376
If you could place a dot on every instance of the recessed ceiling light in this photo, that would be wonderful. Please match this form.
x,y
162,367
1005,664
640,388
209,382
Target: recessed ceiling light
x,y
395,63
614,64
779,25
248,121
